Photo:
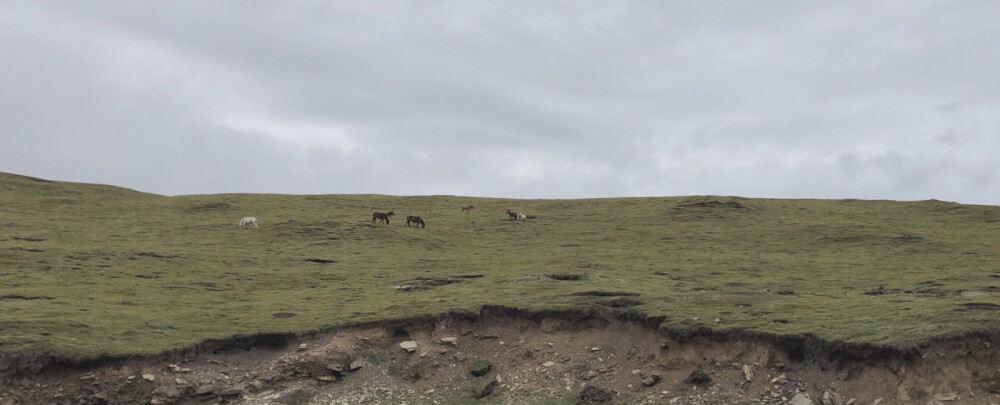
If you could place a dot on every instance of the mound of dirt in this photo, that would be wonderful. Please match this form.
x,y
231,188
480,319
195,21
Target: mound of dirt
x,y
596,356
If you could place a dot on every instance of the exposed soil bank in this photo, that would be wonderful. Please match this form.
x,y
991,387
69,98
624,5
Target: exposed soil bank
x,y
592,356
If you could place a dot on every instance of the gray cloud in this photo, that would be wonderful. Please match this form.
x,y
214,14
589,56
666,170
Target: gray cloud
x,y
519,99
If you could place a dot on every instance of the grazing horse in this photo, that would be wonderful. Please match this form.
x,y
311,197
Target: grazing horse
x,y
512,215
467,208
522,216
382,216
246,221
416,221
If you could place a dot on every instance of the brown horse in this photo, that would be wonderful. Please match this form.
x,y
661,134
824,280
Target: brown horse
x,y
382,216
416,221
467,208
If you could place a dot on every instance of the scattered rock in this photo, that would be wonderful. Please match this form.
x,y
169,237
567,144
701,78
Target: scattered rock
x,y
595,395
87,376
256,385
800,399
204,390
409,346
303,346
484,387
698,377
948,397
748,373
356,365
449,340
231,392
149,377
326,378
336,367
651,380
549,363
480,368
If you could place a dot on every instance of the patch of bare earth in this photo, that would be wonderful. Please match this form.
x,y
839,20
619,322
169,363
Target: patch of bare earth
x,y
599,356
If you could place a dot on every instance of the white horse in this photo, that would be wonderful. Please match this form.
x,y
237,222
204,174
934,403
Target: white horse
x,y
246,221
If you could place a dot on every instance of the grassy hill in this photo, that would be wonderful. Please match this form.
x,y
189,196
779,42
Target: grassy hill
x,y
93,269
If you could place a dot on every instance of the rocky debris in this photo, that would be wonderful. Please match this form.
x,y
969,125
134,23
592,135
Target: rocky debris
x,y
484,387
480,368
591,366
832,398
651,380
698,377
149,377
303,347
409,346
800,399
595,395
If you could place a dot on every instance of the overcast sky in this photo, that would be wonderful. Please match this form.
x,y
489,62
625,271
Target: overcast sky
x,y
525,99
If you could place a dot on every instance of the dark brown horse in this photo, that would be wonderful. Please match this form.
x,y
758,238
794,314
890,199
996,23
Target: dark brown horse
x,y
416,221
382,216
467,208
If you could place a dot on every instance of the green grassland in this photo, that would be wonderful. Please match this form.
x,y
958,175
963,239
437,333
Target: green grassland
x,y
91,269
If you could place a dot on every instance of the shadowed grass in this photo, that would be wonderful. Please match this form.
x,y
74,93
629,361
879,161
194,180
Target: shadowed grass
x,y
91,269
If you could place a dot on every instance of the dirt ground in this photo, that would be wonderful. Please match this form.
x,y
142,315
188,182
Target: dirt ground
x,y
558,358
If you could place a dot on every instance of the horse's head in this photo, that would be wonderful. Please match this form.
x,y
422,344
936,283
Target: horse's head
x,y
390,213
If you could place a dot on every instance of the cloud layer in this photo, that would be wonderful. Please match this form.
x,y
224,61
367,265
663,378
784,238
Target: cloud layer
x,y
891,100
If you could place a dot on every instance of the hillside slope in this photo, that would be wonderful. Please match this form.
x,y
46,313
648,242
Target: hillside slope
x,y
90,269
